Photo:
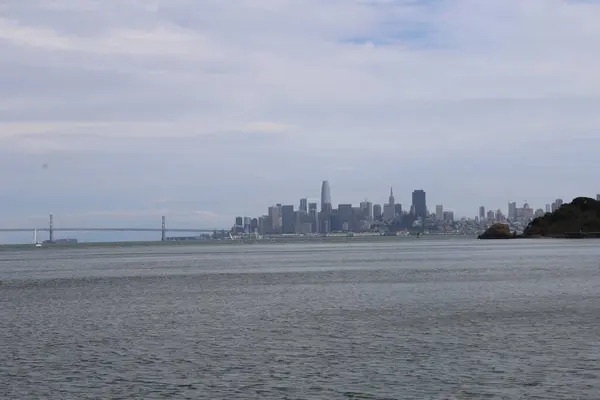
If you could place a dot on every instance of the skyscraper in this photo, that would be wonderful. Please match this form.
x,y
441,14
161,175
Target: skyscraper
x,y
325,197
419,202
345,215
439,212
398,209
481,213
288,219
314,216
274,213
264,225
366,208
377,211
526,212
389,212
512,211
304,205
389,209
559,203
598,197
498,217
448,216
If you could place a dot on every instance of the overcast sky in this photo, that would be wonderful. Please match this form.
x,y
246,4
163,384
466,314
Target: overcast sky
x,y
119,111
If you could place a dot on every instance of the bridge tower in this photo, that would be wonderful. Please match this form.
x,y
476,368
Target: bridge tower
x,y
163,231
51,229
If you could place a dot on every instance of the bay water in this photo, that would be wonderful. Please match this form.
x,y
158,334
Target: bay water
x,y
409,319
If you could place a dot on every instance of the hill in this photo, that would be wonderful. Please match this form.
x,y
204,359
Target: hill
x,y
580,215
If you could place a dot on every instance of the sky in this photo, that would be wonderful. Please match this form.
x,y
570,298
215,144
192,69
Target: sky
x,y
115,112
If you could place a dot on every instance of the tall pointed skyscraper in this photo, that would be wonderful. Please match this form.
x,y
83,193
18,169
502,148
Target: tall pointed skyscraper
x,y
325,197
389,209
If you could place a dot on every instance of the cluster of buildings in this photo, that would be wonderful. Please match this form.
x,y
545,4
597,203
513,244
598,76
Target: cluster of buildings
x,y
516,214
323,218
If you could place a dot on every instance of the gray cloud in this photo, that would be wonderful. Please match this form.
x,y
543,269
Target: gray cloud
x,y
222,108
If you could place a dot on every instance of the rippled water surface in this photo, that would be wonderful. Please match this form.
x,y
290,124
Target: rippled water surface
x,y
416,319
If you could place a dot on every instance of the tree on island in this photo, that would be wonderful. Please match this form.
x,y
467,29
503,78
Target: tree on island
x,y
497,231
581,215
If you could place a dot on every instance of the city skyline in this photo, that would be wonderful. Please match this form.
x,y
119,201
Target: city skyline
x,y
419,207
310,203
390,218
317,198
120,113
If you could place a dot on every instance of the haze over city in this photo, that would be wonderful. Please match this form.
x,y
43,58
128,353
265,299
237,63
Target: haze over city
x,y
115,113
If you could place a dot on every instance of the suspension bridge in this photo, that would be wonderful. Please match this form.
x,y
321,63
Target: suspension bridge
x,y
51,229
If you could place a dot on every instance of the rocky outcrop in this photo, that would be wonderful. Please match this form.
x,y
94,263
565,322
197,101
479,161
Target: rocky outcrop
x,y
497,231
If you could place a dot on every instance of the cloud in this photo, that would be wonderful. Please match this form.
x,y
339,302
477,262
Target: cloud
x,y
266,127
233,106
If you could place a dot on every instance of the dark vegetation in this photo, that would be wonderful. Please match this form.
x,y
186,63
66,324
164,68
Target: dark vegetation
x,y
498,231
577,219
582,215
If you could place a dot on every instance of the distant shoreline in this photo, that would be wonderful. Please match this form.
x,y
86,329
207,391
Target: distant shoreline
x,y
234,242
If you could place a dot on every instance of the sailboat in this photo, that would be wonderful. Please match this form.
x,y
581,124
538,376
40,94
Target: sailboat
x,y
35,239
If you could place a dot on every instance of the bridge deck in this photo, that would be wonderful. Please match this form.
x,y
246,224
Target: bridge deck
x,y
108,230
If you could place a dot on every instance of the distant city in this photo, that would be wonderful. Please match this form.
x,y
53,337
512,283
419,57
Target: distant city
x,y
389,218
